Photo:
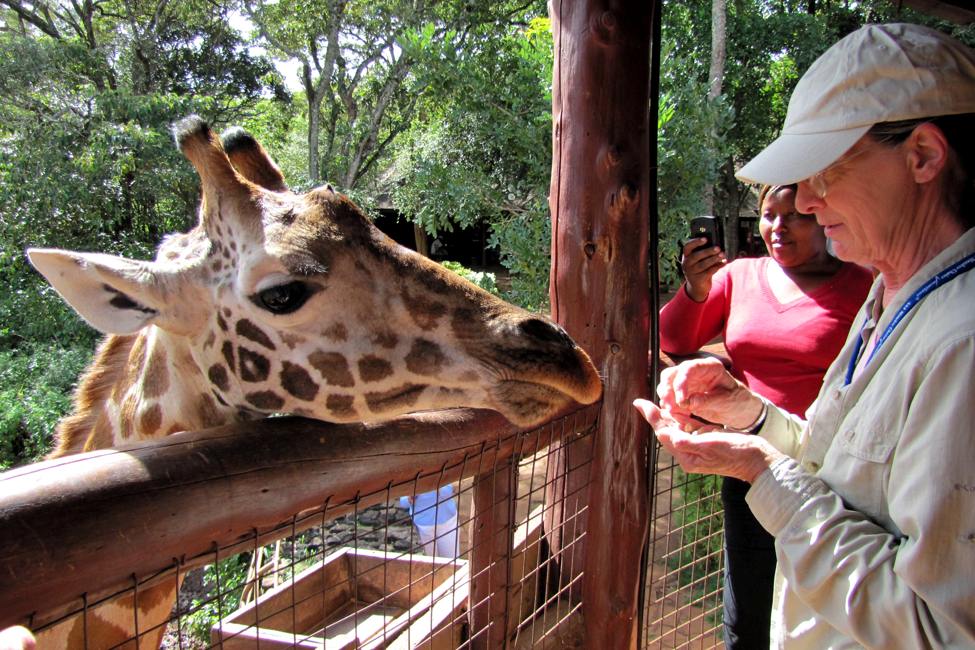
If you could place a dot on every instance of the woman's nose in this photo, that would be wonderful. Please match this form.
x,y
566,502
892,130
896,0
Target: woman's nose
x,y
807,201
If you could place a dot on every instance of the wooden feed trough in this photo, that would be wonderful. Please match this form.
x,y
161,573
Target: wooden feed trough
x,y
357,598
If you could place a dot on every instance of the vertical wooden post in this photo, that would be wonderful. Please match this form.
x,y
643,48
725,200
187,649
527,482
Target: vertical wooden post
x,y
599,200
492,532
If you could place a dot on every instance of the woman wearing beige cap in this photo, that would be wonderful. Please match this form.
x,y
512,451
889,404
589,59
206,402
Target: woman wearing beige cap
x,y
872,501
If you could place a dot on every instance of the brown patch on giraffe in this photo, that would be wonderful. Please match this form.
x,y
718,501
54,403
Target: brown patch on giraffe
x,y
341,406
222,323
172,255
386,339
175,428
133,367
211,339
206,408
107,634
425,312
298,382
426,358
217,396
373,368
249,330
217,266
265,399
333,367
397,399
228,354
150,420
253,366
292,340
469,377
227,312
127,417
218,377
336,332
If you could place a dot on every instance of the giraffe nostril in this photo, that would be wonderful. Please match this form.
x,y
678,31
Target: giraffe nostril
x,y
544,330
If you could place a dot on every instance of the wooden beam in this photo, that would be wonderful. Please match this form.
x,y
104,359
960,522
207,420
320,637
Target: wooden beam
x,y
600,202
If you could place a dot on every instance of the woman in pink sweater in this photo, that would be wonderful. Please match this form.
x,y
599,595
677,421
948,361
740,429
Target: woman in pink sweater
x,y
783,319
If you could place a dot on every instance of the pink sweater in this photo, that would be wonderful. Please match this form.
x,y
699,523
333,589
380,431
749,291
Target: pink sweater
x,y
781,351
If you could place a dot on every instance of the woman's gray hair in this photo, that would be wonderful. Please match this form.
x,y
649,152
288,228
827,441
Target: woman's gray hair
x,y
959,180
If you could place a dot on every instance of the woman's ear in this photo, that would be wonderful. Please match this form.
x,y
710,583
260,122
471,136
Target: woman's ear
x,y
928,151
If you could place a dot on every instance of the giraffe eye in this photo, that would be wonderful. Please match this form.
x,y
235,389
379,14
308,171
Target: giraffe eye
x,y
282,298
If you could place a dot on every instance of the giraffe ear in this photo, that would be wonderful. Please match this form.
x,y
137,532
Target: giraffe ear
x,y
114,294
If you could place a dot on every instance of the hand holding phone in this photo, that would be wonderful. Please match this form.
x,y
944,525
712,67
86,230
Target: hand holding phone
x,y
700,261
709,228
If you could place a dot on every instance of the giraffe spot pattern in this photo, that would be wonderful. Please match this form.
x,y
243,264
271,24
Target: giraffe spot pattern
x,y
265,399
206,410
218,377
222,323
211,339
373,368
426,358
386,339
337,332
220,398
426,313
333,368
397,399
156,381
298,382
150,420
253,366
341,406
249,330
228,355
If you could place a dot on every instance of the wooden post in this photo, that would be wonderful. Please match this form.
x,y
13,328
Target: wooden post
x,y
599,200
492,530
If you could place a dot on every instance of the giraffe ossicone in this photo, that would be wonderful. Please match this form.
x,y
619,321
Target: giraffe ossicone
x,y
284,302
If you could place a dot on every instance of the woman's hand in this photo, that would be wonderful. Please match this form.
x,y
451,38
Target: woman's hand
x,y
699,264
738,455
704,389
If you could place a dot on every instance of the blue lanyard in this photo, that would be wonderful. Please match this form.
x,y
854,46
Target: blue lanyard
x,y
942,278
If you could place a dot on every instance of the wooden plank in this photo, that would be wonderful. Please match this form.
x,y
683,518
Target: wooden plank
x,y
600,200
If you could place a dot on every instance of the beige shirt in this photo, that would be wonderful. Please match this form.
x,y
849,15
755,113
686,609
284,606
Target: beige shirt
x,y
874,523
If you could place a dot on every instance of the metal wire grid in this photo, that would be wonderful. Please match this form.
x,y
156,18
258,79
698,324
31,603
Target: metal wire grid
x,y
683,605
375,533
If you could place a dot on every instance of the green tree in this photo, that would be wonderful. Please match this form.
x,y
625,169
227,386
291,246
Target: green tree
x,y
87,94
480,149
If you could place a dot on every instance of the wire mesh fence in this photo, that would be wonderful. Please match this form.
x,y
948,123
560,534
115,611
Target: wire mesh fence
x,y
684,559
463,565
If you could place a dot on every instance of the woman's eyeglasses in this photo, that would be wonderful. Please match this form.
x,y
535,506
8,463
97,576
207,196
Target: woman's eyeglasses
x,y
818,183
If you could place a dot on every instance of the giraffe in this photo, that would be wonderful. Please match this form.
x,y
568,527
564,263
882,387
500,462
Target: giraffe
x,y
280,302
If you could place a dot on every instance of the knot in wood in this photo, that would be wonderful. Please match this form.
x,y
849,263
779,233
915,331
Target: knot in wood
x,y
603,25
589,249
623,200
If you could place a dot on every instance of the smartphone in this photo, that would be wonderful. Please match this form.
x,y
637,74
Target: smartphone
x,y
710,228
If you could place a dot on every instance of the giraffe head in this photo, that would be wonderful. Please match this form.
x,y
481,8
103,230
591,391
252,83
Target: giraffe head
x,y
278,302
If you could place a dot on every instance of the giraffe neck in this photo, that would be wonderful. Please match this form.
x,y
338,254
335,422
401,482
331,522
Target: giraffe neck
x,y
138,387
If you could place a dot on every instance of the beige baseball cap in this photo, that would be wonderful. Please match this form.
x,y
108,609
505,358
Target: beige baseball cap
x,y
879,73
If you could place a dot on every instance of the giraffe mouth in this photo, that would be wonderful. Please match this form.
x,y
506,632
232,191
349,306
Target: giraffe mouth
x,y
528,403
